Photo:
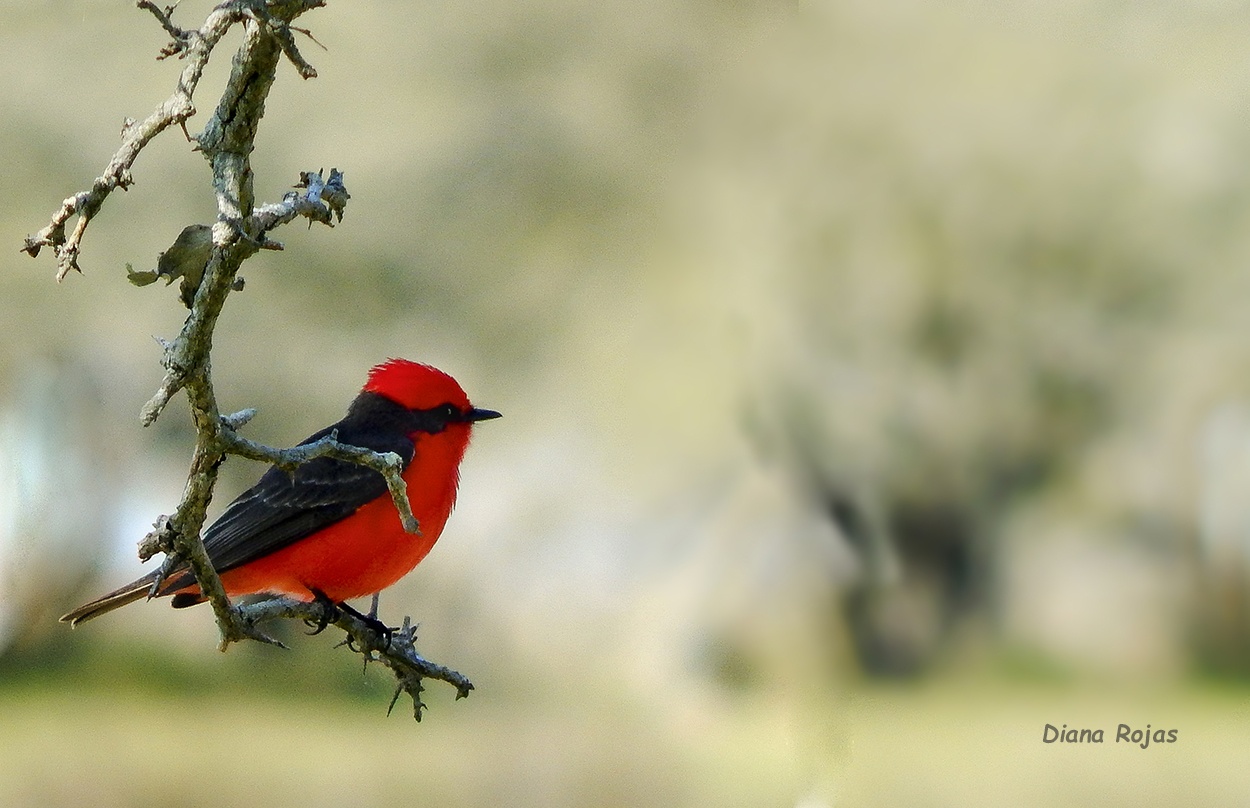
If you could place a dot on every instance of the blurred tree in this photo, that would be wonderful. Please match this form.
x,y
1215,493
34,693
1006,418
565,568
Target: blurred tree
x,y
59,488
1221,621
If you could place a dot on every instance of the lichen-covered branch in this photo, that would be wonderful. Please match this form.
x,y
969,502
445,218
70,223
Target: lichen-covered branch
x,y
208,259
227,143
269,36
316,198
177,109
395,649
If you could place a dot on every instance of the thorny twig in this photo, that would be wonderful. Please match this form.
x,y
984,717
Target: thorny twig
x,y
396,650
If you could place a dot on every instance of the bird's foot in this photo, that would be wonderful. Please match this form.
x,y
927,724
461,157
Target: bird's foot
x,y
330,612
371,620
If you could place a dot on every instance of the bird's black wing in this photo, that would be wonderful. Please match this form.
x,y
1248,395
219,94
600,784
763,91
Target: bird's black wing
x,y
283,508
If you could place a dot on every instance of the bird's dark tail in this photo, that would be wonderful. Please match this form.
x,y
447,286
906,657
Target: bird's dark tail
x,y
116,599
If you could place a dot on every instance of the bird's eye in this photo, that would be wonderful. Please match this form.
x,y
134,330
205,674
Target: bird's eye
x,y
450,412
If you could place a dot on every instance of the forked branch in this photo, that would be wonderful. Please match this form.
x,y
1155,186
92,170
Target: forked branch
x,y
208,259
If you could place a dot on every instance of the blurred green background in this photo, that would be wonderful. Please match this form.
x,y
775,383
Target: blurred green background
x,y
875,393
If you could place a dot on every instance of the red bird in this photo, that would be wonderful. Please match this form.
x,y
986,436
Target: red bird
x,y
331,530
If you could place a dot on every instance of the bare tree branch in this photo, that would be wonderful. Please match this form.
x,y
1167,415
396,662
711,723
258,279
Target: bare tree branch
x,y
209,273
397,651
174,110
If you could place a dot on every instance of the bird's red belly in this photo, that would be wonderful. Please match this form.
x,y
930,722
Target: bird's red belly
x,y
361,555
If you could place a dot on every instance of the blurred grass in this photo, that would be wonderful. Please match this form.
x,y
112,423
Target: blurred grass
x,y
978,743
948,743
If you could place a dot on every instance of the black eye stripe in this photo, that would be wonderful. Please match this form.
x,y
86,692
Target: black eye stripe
x,y
436,419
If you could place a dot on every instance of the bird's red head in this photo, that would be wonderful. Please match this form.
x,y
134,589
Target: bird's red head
x,y
415,386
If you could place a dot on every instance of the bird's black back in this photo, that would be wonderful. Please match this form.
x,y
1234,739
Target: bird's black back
x,y
283,508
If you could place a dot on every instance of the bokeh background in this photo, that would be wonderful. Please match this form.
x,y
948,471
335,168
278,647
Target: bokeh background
x,y
875,379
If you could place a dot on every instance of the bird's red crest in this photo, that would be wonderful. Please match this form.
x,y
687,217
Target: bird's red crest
x,y
414,385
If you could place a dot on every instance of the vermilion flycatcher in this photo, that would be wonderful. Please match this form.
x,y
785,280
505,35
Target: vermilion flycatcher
x,y
331,529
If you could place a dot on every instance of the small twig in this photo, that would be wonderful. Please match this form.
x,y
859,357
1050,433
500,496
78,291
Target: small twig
x,y
289,48
322,200
396,650
239,419
309,34
181,39
164,17
281,30
158,540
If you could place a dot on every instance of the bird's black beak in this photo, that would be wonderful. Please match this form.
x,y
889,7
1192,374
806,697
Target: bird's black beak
x,y
476,414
